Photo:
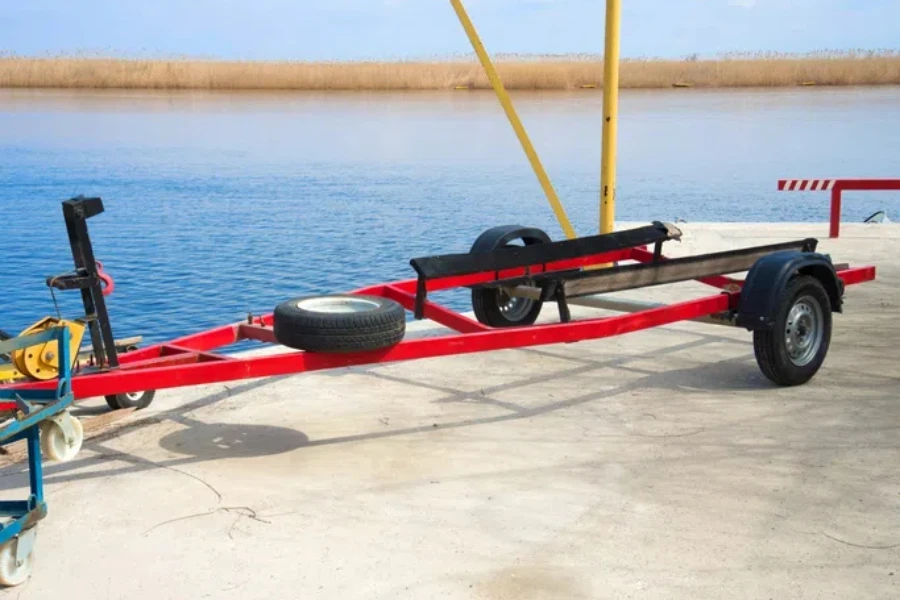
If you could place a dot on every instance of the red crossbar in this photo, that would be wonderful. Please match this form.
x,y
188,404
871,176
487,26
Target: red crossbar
x,y
856,275
435,312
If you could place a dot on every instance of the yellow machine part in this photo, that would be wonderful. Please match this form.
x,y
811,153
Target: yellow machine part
x,y
8,372
42,361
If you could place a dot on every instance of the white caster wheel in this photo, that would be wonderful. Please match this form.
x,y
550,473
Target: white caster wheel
x,y
16,559
56,442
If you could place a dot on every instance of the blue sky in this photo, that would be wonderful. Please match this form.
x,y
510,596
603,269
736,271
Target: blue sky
x,y
396,29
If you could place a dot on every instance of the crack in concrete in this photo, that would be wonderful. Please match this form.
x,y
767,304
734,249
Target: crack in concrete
x,y
242,511
864,546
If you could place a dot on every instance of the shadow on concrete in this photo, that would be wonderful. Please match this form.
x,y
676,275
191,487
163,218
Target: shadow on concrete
x,y
89,411
735,374
200,441
658,380
209,441
11,477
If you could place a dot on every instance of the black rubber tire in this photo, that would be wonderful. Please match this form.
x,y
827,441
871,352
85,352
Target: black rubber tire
x,y
118,401
382,326
486,303
4,336
770,347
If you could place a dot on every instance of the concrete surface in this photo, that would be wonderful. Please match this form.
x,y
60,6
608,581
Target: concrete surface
x,y
660,464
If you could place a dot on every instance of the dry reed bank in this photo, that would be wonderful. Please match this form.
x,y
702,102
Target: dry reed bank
x,y
549,74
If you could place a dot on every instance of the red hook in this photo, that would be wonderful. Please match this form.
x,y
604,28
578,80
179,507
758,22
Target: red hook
x,y
110,285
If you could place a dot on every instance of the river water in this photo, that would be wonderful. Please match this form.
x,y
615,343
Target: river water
x,y
218,204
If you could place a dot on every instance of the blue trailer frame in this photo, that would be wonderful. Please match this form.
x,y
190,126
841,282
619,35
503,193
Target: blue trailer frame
x,y
32,408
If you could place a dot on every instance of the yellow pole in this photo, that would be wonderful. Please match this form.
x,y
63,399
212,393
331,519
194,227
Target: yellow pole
x,y
517,126
610,117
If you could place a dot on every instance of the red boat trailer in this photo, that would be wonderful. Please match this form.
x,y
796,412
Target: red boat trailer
x,y
561,271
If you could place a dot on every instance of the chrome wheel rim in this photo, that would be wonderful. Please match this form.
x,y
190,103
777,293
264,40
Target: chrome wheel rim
x,y
513,308
803,330
335,305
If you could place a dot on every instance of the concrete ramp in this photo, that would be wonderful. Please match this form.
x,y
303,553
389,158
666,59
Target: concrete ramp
x,y
660,464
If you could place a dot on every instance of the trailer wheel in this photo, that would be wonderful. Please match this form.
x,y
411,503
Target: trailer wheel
x,y
496,307
15,570
136,400
793,350
339,323
53,438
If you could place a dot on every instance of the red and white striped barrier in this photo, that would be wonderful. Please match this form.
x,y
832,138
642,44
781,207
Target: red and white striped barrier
x,y
836,186
805,185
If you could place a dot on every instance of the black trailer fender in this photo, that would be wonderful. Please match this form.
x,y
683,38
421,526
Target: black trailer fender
x,y
770,275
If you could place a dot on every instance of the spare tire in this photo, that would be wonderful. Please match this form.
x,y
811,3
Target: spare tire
x,y
339,323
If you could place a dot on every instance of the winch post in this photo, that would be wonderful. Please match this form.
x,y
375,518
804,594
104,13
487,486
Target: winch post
x,y
76,213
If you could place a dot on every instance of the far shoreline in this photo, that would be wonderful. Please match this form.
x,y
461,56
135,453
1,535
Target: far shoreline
x,y
556,73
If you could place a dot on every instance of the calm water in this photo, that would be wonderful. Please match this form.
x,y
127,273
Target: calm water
x,y
220,204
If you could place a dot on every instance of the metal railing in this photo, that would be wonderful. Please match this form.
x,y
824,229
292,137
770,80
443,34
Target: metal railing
x,y
837,187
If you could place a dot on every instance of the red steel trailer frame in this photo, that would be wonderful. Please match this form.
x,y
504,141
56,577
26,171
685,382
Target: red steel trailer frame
x,y
191,360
